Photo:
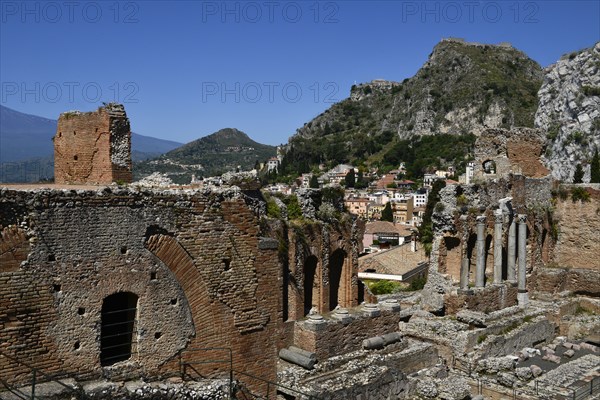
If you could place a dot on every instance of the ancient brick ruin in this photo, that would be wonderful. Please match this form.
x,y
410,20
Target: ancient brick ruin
x,y
131,284
195,270
504,236
93,147
500,152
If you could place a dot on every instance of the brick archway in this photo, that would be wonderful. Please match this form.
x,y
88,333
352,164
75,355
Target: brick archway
x,y
337,279
180,263
312,286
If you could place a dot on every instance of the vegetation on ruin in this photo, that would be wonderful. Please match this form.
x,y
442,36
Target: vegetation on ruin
x,y
579,194
388,287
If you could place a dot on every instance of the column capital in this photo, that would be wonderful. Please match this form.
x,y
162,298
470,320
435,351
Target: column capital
x,y
522,218
481,219
498,216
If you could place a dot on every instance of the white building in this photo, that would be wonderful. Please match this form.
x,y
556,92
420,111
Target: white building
x,y
272,164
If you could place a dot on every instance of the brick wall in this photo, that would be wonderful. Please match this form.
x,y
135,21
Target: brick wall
x,y
202,274
491,298
331,246
335,338
93,147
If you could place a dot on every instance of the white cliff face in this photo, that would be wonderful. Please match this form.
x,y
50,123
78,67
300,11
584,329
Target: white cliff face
x,y
569,109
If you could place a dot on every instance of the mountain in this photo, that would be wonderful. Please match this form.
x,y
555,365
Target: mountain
x,y
24,136
211,155
462,89
569,111
26,151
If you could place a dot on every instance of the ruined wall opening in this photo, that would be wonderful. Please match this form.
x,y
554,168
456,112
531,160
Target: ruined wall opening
x,y
488,256
336,270
452,260
310,291
545,247
489,167
118,323
472,255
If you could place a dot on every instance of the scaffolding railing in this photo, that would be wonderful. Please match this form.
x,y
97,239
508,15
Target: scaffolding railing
x,y
38,377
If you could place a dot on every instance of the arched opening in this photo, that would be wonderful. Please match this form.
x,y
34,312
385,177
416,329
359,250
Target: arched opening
x,y
118,322
361,292
310,269
336,267
489,167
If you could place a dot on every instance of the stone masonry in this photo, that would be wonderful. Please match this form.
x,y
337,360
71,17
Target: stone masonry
x,y
206,269
93,147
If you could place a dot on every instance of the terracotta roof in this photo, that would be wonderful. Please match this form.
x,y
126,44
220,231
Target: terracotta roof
x,y
388,227
396,261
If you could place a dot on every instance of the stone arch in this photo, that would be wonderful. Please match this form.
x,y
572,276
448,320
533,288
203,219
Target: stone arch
x,y
337,279
312,287
167,249
117,331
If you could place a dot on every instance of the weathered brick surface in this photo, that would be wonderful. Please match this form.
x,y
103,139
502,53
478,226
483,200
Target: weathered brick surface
x,y
93,147
14,248
331,247
335,338
491,298
203,274
169,249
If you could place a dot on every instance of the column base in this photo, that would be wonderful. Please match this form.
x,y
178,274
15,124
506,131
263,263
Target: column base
x,y
468,292
522,299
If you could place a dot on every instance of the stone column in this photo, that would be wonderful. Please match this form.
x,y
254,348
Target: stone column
x,y
480,266
522,284
512,250
464,261
498,219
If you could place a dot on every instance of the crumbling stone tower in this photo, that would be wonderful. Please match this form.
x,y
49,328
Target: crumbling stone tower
x,y
93,147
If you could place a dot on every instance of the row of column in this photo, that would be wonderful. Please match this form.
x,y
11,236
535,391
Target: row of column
x,y
513,246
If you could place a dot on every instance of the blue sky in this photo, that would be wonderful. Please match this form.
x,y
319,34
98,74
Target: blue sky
x,y
185,69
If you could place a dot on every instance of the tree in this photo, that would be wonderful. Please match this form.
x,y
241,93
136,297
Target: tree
x,y
350,178
595,168
578,175
387,214
314,182
360,181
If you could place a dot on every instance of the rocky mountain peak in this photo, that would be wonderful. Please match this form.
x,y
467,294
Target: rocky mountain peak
x,y
569,110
